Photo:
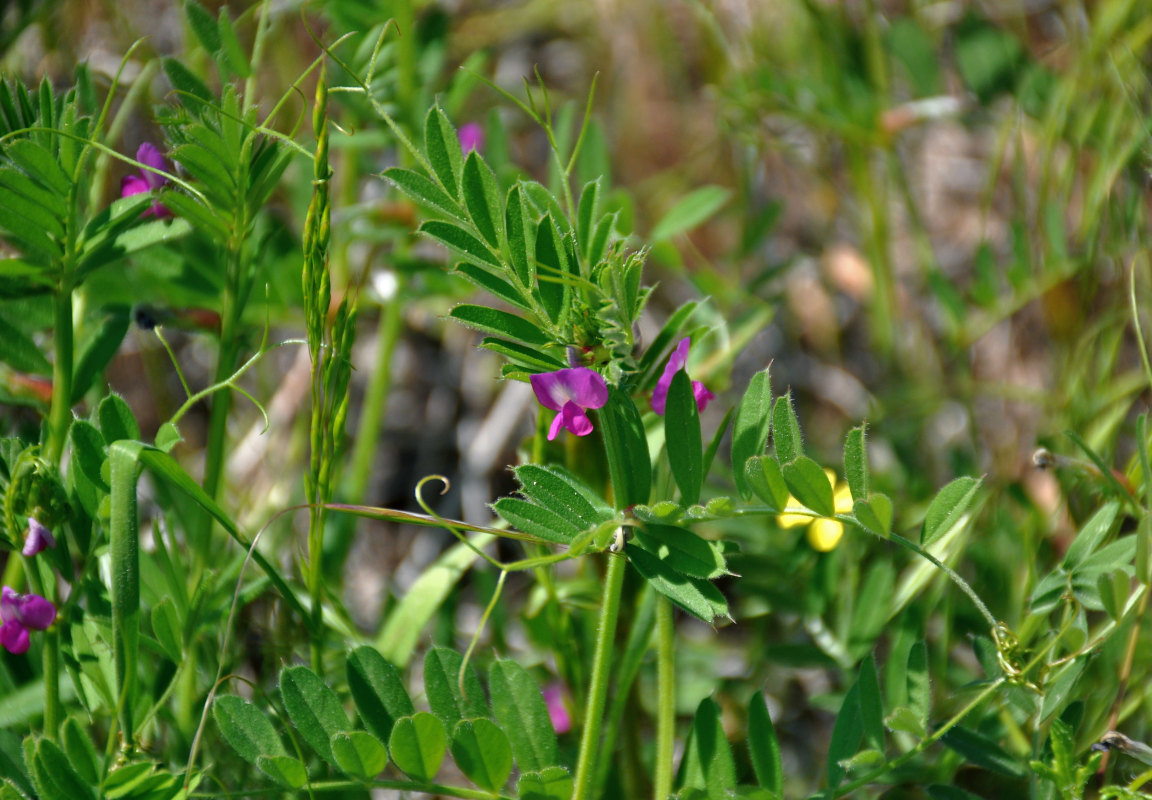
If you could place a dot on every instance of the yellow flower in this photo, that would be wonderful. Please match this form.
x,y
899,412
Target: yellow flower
x,y
823,534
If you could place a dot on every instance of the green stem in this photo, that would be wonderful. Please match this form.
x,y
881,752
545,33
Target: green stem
x,y
52,709
60,413
666,699
951,573
323,787
598,691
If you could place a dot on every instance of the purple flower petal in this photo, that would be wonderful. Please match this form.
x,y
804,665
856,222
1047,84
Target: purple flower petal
x,y
36,612
571,392
14,637
471,137
39,538
676,362
133,184
702,395
150,156
26,610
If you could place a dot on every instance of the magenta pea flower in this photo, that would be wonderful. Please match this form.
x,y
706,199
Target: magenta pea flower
x,y
39,538
146,180
20,613
676,362
571,392
471,137
557,708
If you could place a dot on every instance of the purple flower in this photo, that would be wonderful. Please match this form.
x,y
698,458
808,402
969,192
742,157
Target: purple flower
x,y
20,613
147,181
471,137
571,392
39,538
676,363
557,709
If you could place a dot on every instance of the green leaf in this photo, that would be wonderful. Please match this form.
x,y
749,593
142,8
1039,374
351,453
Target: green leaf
x,y
202,24
284,769
500,323
1058,690
550,783
875,514
847,733
124,543
100,347
564,494
314,709
231,52
708,763
443,150
1113,587
904,720
696,596
359,754
682,550
417,745
693,209
626,446
871,707
377,687
521,237
54,776
167,437
183,80
552,270
786,430
654,357
541,522
460,241
116,419
763,747
492,284
750,431
947,508
424,192
587,209
520,709
482,199
1091,536
246,728
41,164
978,749
86,464
682,438
919,683
810,485
532,358
763,476
81,751
856,464
442,685
167,628
482,753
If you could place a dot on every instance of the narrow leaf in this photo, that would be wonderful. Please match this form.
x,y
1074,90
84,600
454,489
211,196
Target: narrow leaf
x,y
764,478
563,494
948,507
442,684
708,763
698,597
856,464
750,430
786,430
682,550
847,733
682,438
231,52
763,747
482,199
871,707
919,683
500,323
377,687
520,709
461,241
424,192
521,237
443,150
246,728
314,709
810,485
543,523
690,211
626,446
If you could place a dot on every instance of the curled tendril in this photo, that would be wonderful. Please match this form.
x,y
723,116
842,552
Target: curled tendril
x,y
1011,657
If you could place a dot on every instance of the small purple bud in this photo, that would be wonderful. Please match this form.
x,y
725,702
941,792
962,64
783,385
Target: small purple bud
x,y
571,392
471,137
676,362
39,538
557,709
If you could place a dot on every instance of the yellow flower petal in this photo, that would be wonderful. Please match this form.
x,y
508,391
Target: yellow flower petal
x,y
792,520
825,534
